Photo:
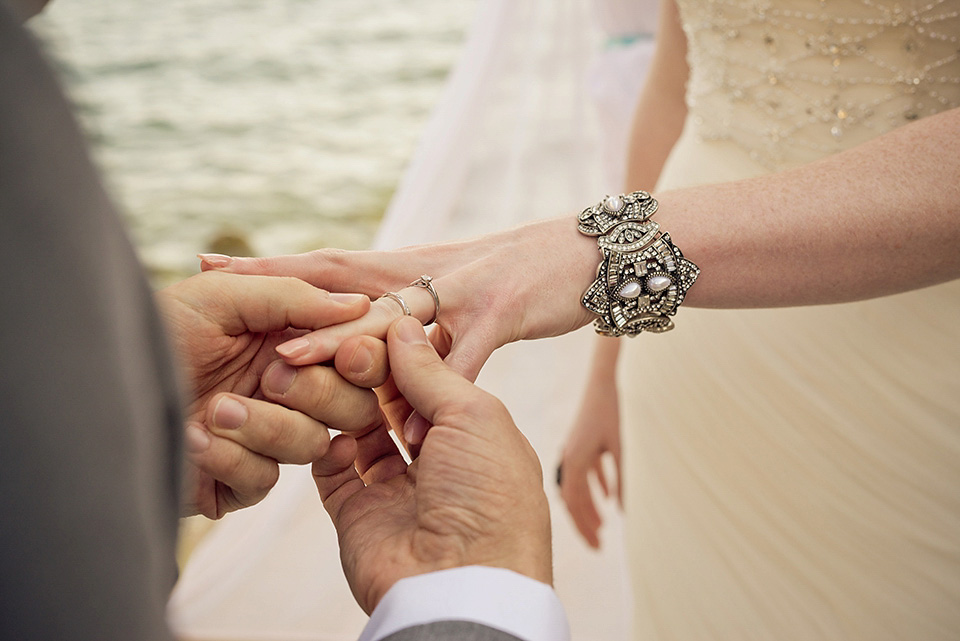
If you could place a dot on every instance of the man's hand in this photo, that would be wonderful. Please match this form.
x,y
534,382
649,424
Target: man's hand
x,y
224,329
473,497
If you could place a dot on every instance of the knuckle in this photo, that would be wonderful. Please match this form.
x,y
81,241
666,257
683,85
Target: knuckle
x,y
262,265
322,445
385,310
234,468
477,406
319,389
264,481
276,436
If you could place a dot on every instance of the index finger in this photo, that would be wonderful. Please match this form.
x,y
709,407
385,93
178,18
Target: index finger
x,y
265,303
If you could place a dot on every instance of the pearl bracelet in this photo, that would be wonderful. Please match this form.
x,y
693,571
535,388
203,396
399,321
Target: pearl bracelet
x,y
643,277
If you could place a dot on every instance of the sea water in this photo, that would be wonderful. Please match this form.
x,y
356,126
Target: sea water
x,y
251,126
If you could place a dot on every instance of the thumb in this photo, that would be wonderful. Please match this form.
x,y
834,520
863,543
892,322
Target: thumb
x,y
262,304
467,356
423,379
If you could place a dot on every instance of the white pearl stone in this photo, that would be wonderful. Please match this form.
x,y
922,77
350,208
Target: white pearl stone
x,y
613,204
658,283
630,290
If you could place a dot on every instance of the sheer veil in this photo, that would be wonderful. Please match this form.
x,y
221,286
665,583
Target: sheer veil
x,y
517,135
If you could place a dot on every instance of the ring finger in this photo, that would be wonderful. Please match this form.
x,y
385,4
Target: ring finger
x,y
321,345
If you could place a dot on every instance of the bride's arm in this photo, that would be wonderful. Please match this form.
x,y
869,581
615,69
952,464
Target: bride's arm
x,y
874,220
662,108
657,124
878,219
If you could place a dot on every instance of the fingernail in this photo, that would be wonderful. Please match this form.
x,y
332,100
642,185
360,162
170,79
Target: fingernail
x,y
279,378
415,428
294,348
229,414
215,260
361,361
347,299
409,330
195,439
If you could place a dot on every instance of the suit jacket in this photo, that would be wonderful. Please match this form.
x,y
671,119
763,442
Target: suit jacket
x,y
90,438
444,630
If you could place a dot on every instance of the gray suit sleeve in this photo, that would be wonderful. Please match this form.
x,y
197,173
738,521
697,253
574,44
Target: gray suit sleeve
x,y
451,631
89,443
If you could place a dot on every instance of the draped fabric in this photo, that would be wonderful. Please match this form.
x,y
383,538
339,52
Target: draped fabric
x,y
801,481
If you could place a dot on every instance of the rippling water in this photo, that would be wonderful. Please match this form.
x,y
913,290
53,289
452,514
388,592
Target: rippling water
x,y
271,126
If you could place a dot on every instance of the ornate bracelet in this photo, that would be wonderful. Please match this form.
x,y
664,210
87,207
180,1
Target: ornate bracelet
x,y
643,277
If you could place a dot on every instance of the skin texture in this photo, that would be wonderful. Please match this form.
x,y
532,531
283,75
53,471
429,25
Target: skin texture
x,y
474,496
224,329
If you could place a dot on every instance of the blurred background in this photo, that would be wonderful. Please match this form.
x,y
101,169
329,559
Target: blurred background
x,y
252,126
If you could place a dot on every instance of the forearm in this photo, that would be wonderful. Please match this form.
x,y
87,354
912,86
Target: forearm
x,y
604,363
661,109
878,219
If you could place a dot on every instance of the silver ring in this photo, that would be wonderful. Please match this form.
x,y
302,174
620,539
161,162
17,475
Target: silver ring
x,y
427,283
398,299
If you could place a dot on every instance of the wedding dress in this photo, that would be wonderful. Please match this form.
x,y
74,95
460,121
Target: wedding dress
x,y
516,136
798,474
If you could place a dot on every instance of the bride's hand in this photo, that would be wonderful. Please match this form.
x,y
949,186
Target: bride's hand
x,y
519,284
595,433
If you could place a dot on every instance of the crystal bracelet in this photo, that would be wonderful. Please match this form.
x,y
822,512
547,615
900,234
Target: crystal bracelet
x,y
643,277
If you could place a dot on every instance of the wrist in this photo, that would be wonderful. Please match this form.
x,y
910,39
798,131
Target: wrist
x,y
643,277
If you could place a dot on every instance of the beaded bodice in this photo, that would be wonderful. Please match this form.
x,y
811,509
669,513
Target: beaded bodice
x,y
793,80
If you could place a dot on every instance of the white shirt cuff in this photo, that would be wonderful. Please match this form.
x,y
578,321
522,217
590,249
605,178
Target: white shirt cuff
x,y
494,597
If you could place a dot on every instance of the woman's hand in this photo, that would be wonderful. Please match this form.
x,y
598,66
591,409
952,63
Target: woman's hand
x,y
596,432
519,284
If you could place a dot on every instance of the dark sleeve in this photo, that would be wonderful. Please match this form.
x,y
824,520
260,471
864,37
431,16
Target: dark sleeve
x,y
451,631
89,425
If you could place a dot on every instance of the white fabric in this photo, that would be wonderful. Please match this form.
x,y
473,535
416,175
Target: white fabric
x,y
514,137
803,480
495,597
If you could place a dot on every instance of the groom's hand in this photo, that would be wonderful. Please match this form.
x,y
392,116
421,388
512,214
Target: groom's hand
x,y
473,497
224,329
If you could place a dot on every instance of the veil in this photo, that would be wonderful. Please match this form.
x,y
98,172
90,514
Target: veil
x,y
515,136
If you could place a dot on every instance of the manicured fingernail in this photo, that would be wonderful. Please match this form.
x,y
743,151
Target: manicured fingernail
x,y
215,260
229,414
409,330
361,361
294,348
347,299
278,378
415,428
195,439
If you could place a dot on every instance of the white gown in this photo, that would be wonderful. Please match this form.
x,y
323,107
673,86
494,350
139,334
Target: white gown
x,y
801,480
518,123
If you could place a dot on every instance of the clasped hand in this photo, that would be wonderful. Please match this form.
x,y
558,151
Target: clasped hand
x,y
224,329
474,496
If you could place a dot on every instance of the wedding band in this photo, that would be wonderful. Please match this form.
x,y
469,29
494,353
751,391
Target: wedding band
x,y
427,283
398,299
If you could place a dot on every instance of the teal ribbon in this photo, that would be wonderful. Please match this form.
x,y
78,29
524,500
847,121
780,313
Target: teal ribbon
x,y
615,42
